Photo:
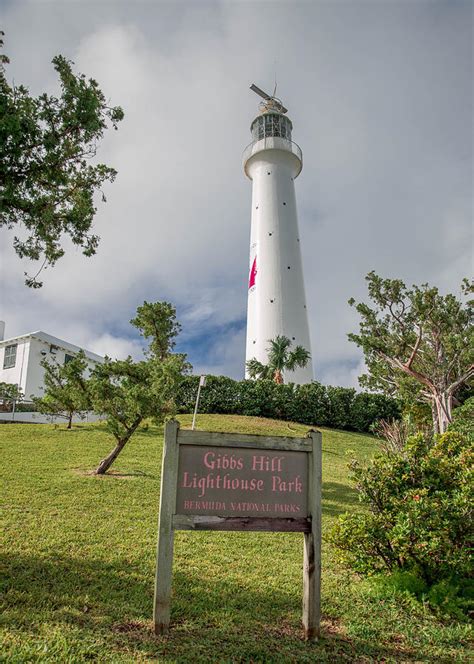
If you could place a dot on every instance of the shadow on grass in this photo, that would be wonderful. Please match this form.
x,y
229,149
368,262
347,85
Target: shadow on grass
x,y
225,620
338,498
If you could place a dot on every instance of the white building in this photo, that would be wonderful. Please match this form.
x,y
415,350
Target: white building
x,y
21,357
276,294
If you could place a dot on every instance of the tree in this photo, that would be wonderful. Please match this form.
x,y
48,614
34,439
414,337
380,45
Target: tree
x,y
47,181
417,342
127,392
157,321
280,359
9,394
66,391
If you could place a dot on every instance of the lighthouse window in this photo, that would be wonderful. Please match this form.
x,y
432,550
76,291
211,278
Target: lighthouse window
x,y
271,124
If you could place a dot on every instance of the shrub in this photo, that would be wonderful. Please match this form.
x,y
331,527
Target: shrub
x,y
448,597
312,404
419,508
367,408
463,419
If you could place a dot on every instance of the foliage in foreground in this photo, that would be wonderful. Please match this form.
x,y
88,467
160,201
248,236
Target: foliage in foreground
x,y
417,343
313,404
79,559
419,512
47,180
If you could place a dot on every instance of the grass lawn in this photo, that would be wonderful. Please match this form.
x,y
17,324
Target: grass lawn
x,y
79,563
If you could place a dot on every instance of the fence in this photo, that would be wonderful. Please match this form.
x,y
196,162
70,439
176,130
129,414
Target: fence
x,y
23,410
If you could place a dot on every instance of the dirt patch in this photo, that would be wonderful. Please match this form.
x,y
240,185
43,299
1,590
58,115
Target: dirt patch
x,y
132,626
117,474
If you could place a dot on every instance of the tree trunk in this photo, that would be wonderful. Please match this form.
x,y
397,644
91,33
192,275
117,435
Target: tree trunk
x,y
442,402
277,377
434,415
69,421
105,464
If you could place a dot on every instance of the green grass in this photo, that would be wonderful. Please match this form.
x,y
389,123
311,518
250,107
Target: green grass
x,y
79,562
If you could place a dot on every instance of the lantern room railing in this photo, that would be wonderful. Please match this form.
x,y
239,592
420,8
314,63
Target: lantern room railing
x,y
272,143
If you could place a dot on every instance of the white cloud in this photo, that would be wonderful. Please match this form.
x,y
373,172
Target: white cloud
x,y
380,98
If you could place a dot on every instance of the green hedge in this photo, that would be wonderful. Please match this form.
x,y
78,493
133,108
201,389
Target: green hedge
x,y
313,404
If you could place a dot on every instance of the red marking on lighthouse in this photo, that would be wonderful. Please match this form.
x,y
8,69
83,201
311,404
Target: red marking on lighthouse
x,y
253,273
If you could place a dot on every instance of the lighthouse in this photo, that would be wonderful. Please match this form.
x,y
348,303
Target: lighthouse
x,y
276,294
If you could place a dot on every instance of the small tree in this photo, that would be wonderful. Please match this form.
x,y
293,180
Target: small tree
x,y
47,180
66,390
280,359
127,392
9,393
416,341
157,322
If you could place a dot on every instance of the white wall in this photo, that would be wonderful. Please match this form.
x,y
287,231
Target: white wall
x,y
40,418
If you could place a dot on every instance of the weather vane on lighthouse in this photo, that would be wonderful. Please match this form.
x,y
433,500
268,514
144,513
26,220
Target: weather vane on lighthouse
x,y
276,295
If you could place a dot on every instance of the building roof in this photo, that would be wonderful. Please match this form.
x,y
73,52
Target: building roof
x,y
49,339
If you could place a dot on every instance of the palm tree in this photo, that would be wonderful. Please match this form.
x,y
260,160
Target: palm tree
x,y
280,358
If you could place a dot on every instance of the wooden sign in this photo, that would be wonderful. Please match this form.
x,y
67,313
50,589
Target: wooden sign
x,y
221,481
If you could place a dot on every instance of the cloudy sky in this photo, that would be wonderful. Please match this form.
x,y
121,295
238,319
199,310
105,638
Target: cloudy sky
x,y
380,95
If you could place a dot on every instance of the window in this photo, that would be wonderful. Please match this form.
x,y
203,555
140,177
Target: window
x,y
271,124
68,358
10,356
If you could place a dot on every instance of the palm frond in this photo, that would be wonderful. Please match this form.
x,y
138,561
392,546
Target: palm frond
x,y
278,352
256,369
299,357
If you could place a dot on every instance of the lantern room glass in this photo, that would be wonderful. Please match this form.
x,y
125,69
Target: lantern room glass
x,y
271,124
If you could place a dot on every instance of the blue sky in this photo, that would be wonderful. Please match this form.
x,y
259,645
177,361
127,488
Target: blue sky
x,y
380,95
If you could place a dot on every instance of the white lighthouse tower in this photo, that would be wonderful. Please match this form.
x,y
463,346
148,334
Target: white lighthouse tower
x,y
276,295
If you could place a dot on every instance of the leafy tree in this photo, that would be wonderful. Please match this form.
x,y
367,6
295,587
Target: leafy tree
x,y
157,322
47,181
417,342
9,392
66,390
127,392
280,359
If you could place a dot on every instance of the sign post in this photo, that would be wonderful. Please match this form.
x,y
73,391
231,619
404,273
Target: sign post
x,y
231,481
202,383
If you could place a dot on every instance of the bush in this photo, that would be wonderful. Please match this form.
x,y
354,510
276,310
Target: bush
x,y
448,597
419,508
312,404
369,408
463,419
